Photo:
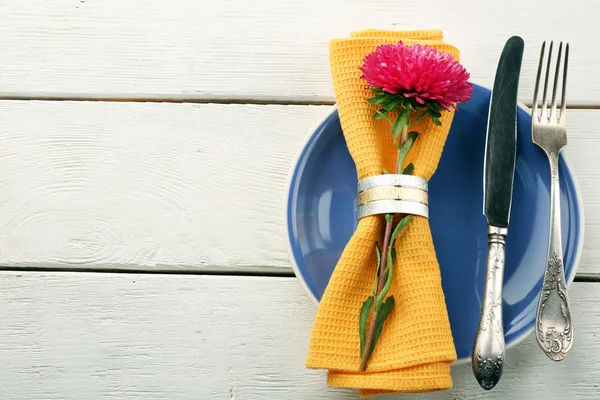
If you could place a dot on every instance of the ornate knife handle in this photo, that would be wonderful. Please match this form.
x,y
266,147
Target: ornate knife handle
x,y
488,349
554,332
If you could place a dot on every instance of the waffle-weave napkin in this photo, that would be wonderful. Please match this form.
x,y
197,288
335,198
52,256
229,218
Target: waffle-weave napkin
x,y
415,350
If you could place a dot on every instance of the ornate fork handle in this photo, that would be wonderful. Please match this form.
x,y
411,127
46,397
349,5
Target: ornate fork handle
x,y
554,331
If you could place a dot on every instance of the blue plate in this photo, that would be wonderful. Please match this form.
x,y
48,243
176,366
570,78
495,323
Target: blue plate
x,y
322,215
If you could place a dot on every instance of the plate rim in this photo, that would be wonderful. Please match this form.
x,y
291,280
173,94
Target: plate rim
x,y
300,277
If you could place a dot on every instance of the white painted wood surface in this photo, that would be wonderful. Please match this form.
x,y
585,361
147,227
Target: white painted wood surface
x,y
269,49
147,186
158,186
200,188
74,336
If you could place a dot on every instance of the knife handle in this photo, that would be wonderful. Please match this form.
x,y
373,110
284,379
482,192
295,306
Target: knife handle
x,y
488,349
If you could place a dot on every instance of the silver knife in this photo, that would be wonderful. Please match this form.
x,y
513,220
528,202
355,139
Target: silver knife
x,y
499,169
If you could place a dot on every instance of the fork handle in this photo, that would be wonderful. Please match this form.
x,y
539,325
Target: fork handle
x,y
554,331
488,349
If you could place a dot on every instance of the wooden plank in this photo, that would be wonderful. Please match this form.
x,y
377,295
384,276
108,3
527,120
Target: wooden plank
x,y
152,186
224,49
172,337
158,186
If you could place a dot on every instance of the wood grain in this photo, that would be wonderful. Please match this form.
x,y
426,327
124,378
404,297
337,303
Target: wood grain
x,y
73,336
272,50
173,187
150,186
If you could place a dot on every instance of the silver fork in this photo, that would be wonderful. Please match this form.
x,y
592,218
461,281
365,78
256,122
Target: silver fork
x,y
554,331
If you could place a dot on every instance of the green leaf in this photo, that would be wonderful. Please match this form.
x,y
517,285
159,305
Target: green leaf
x,y
397,127
412,136
414,105
403,222
409,169
389,265
410,140
362,325
378,99
376,283
392,102
420,117
401,123
388,282
377,90
381,317
383,114
435,106
387,274
393,256
436,121
435,113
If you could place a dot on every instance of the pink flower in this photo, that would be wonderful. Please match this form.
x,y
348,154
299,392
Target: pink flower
x,y
416,71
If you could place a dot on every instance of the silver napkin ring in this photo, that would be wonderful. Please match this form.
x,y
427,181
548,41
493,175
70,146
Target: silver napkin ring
x,y
393,194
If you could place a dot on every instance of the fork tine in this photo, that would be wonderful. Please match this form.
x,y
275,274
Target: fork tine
x,y
537,82
563,102
554,90
545,98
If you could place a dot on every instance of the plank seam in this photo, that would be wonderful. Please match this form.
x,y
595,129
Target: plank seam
x,y
242,101
283,274
580,277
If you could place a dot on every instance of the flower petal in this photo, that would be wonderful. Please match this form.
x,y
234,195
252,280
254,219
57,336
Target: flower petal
x,y
417,71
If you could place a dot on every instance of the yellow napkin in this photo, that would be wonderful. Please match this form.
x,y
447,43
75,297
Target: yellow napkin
x,y
415,350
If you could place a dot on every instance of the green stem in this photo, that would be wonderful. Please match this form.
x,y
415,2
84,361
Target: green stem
x,y
404,114
403,137
382,264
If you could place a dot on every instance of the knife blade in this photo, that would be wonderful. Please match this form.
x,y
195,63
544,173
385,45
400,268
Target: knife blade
x,y
499,168
501,142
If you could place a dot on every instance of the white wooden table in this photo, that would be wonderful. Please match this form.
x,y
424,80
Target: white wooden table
x,y
123,122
